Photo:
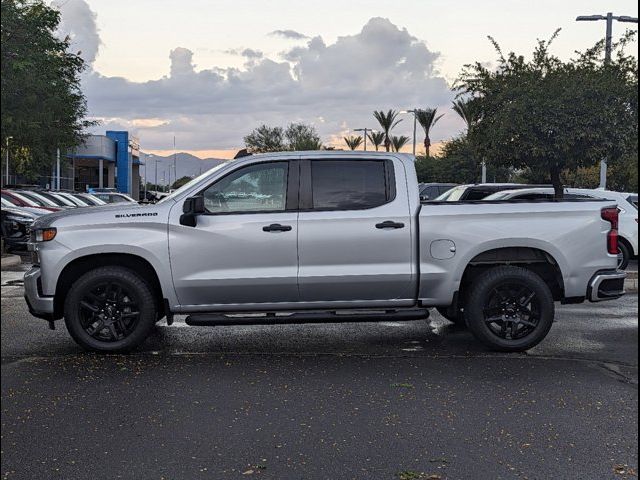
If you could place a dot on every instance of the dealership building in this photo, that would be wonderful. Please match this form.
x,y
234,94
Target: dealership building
x,y
111,160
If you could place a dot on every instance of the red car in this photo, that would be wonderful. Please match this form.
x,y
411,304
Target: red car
x,y
22,201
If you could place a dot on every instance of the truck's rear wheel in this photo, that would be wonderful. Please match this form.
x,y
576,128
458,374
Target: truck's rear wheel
x,y
624,255
510,309
110,309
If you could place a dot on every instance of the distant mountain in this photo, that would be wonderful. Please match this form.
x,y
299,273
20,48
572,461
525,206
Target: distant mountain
x,y
187,165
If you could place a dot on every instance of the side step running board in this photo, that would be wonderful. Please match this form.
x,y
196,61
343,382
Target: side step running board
x,y
216,319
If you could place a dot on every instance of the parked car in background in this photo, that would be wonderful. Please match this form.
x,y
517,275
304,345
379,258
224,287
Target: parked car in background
x,y
18,199
57,197
15,226
90,199
429,191
114,197
479,191
36,210
627,204
45,198
67,196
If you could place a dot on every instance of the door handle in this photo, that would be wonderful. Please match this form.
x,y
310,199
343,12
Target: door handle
x,y
276,227
389,224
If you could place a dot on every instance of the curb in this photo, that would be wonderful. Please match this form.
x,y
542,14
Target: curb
x,y
631,285
10,261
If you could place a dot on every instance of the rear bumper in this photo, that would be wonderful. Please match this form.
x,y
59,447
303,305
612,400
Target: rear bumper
x,y
39,305
606,285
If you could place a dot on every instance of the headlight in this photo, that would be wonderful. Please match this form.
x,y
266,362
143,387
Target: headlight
x,y
44,234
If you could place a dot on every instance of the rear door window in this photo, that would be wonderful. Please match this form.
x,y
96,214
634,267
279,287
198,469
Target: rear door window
x,y
350,185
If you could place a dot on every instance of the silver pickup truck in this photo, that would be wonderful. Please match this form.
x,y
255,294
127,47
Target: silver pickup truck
x,y
319,237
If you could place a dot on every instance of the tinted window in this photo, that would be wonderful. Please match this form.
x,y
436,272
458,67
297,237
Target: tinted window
x,y
633,200
476,194
535,196
255,188
347,185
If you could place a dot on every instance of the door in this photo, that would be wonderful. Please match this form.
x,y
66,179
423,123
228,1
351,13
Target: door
x,y
244,250
354,233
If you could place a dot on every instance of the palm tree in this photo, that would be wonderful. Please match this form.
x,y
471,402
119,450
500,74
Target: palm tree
x,y
377,138
427,118
353,142
468,111
387,122
398,142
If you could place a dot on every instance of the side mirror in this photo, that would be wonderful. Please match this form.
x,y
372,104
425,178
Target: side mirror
x,y
191,208
424,198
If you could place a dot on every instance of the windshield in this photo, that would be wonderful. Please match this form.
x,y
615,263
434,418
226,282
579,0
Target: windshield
x,y
633,200
40,200
498,196
453,195
192,182
25,199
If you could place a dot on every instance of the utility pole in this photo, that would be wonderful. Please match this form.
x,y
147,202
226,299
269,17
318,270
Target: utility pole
x,y
6,179
57,168
609,18
415,126
175,169
366,132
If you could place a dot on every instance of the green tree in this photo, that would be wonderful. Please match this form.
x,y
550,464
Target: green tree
x,y
301,137
265,139
43,107
377,139
387,122
550,116
353,142
180,182
427,118
296,137
398,142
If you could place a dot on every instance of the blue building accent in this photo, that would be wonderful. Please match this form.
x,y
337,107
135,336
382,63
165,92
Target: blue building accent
x,y
123,165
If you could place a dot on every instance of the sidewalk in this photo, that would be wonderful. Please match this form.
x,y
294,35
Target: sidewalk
x,y
10,261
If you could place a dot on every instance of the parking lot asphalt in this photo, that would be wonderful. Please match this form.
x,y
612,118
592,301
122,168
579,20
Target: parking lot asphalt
x,y
391,400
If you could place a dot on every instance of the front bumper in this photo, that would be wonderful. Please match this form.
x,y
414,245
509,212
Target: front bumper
x,y
39,305
606,285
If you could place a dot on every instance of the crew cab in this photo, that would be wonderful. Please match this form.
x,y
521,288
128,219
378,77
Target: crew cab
x,y
301,237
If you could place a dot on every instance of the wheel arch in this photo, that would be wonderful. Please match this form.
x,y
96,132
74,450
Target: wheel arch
x,y
81,265
534,259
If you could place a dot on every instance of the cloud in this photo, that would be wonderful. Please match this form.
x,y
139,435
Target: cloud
x,y
248,53
79,23
289,34
333,86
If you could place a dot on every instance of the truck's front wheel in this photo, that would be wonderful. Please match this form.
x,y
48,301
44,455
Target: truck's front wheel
x,y
510,309
110,309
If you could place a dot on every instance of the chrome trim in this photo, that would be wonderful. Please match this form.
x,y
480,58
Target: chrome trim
x,y
596,281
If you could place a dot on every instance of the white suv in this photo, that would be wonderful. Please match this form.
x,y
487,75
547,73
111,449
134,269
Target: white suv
x,y
627,203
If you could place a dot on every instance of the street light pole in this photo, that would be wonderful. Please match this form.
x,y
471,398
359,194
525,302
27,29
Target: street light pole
x,y
609,18
366,130
7,170
415,126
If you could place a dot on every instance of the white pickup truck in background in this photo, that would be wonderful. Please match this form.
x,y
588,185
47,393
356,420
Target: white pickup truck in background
x,y
319,237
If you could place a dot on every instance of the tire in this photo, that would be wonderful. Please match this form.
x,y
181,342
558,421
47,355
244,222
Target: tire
x,y
624,255
518,301
110,309
453,317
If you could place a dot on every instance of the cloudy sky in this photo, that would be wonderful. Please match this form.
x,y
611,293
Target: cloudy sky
x,y
208,71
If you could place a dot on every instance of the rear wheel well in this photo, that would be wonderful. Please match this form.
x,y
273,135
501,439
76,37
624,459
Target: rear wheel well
x,y
533,259
627,243
82,265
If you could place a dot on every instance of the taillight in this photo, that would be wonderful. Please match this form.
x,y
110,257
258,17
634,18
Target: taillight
x,y
612,215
